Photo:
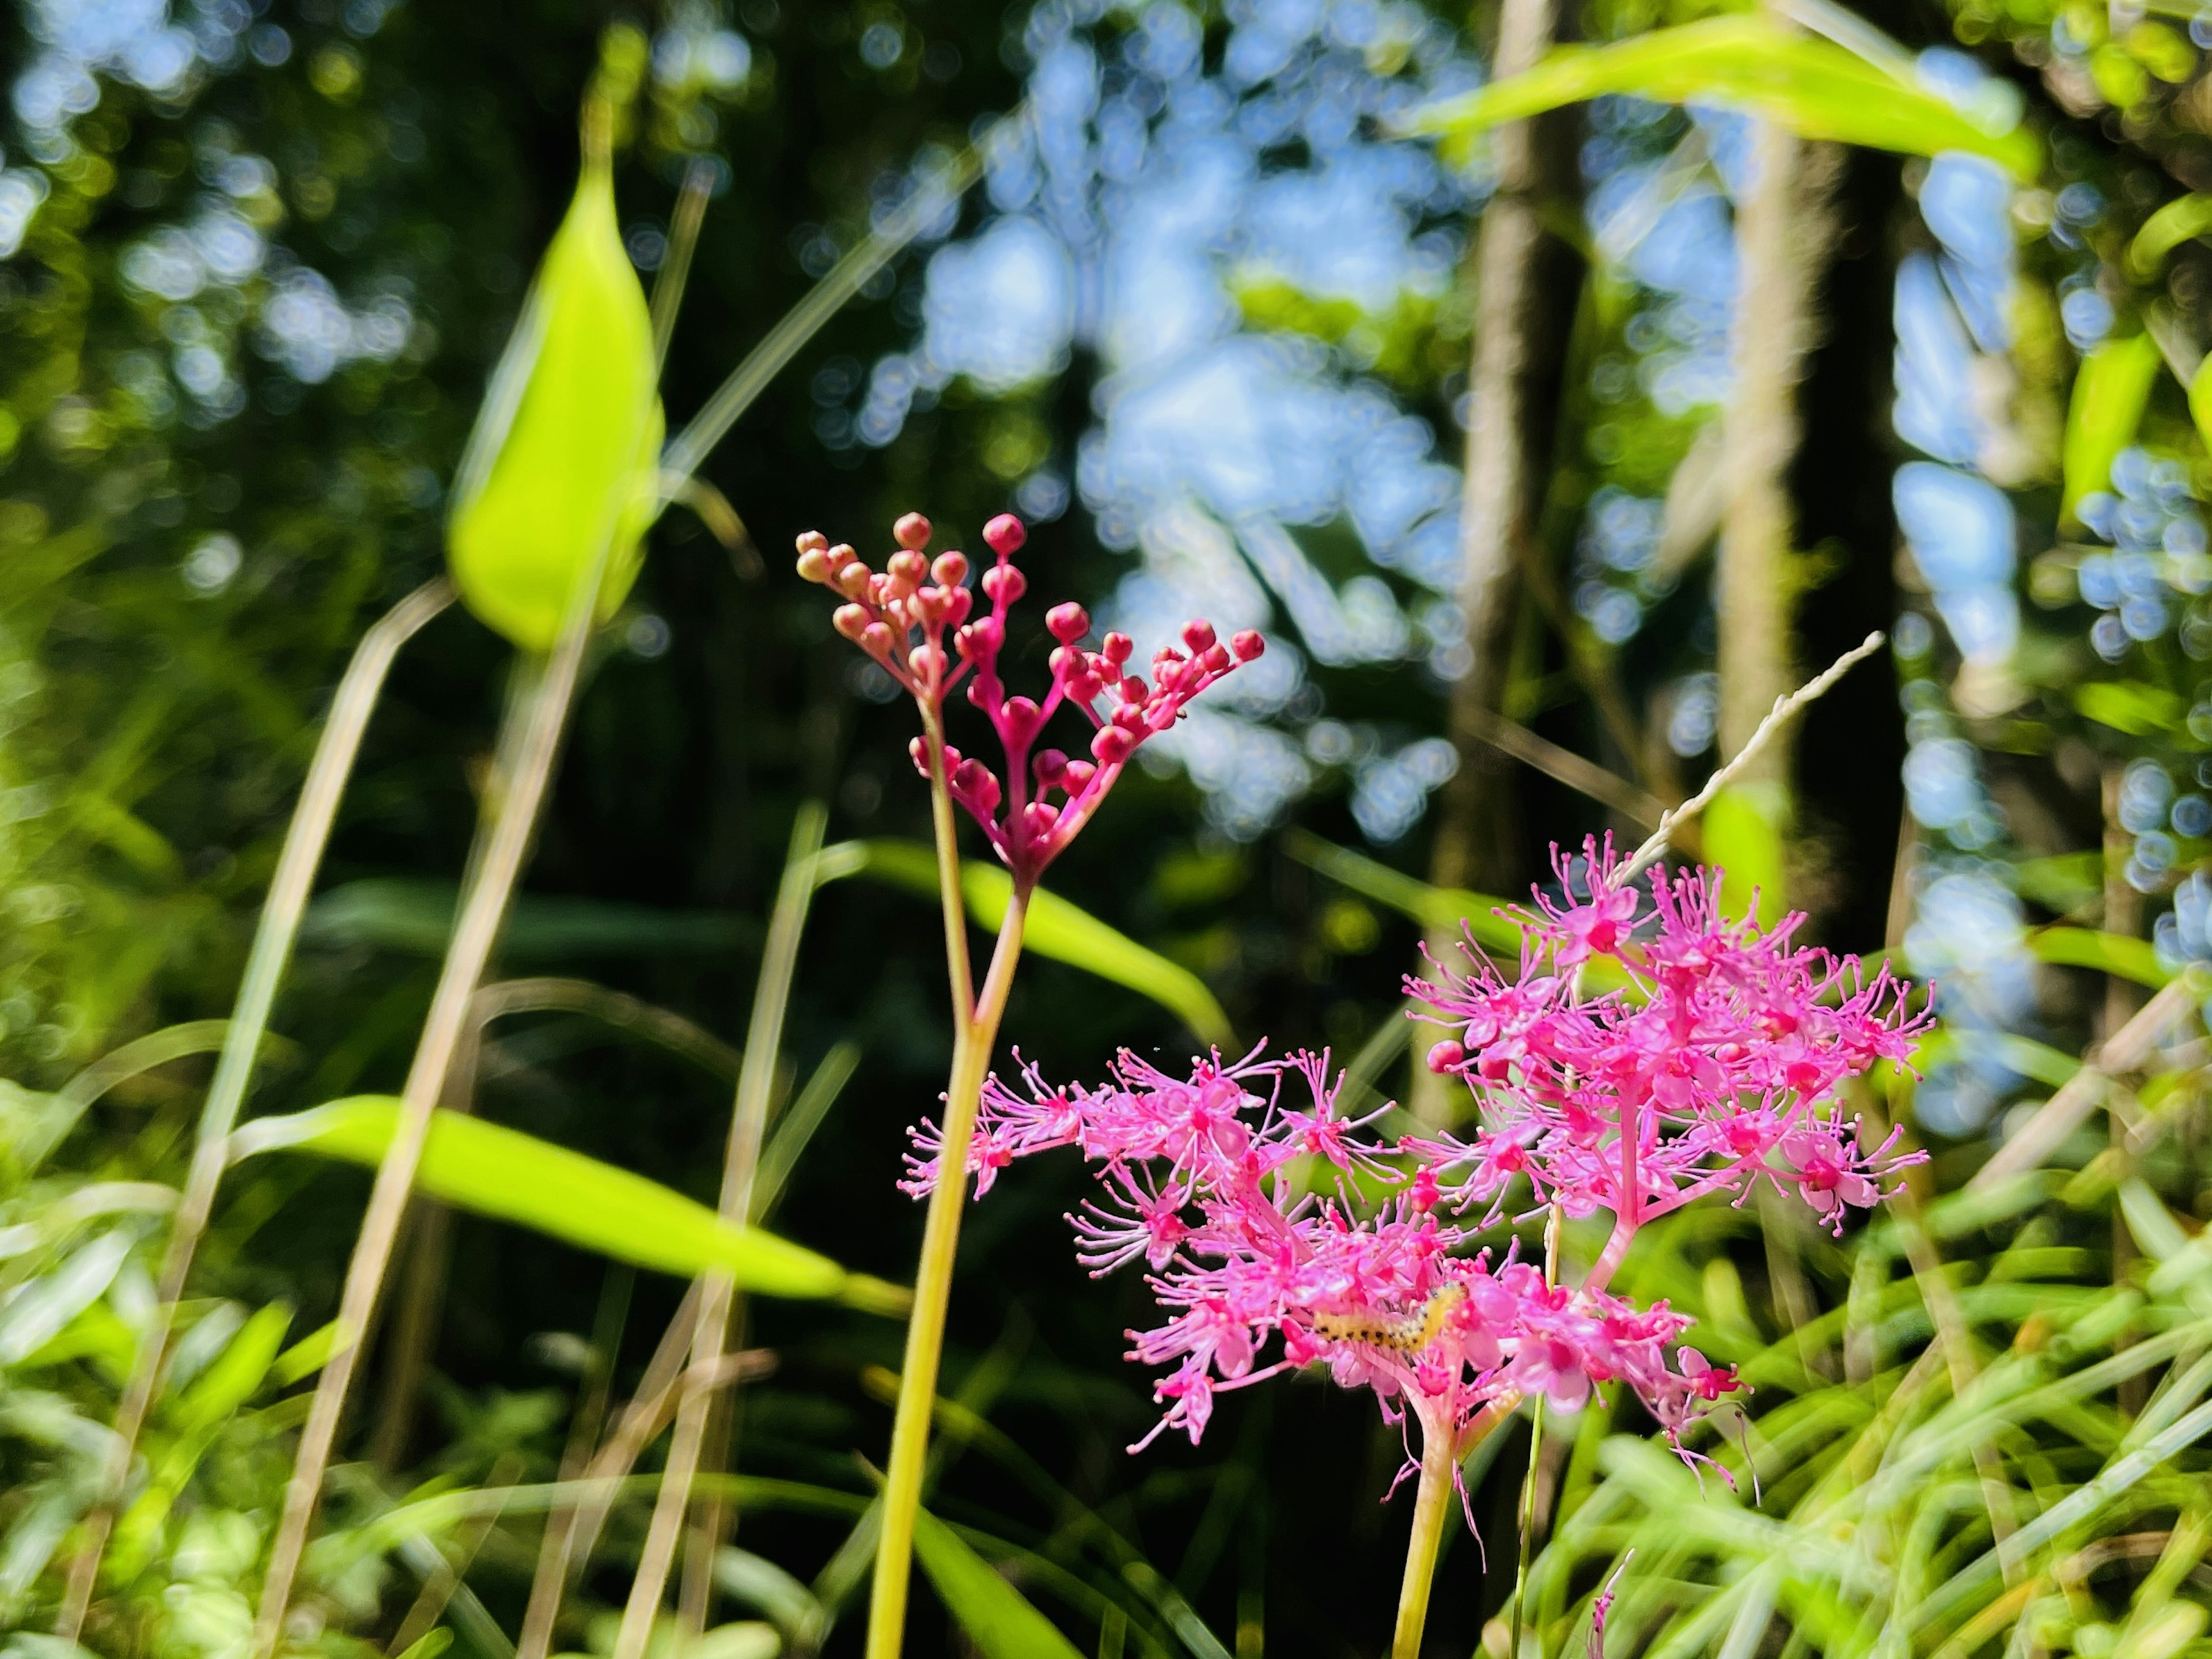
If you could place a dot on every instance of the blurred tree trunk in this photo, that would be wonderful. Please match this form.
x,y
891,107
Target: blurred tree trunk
x,y
1786,230
1522,286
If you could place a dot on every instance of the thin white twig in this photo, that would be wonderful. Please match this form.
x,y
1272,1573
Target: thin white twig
x,y
1811,691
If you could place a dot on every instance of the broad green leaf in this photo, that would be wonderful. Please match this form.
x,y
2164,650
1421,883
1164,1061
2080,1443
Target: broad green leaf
x,y
229,1382
2109,953
2131,707
2181,220
998,1617
415,916
1751,63
495,1171
2109,393
1746,836
1056,929
565,456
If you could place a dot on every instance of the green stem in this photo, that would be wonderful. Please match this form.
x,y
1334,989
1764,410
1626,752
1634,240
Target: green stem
x,y
484,910
273,939
748,1124
1431,1504
924,1334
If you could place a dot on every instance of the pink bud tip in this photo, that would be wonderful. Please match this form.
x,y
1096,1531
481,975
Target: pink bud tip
x,y
1112,745
1248,645
814,565
1068,623
876,639
908,566
1198,635
851,620
920,750
853,579
951,568
912,532
1118,648
1078,776
1006,535
1051,767
812,541
1003,583
1447,1056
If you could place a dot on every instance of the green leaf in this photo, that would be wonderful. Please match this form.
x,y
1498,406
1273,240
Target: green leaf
x,y
229,1382
495,1171
564,459
428,1646
2200,401
2131,707
1746,836
1810,85
997,1617
2181,220
1056,929
1432,907
415,916
2109,392
2108,953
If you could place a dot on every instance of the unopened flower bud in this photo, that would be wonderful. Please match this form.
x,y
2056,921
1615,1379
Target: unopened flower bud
x,y
912,532
853,578
876,639
814,564
1077,778
850,620
1217,658
976,781
908,566
1083,686
926,662
1067,622
919,747
1447,1056
1112,745
950,569
1003,583
811,541
1117,649
1248,645
1038,818
958,601
1006,535
1132,689
1198,635
1050,766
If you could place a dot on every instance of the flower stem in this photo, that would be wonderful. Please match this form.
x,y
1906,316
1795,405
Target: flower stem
x,y
1431,1502
974,1038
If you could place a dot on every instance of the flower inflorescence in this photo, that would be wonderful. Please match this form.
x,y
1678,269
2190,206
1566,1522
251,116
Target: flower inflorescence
x,y
1264,1213
899,615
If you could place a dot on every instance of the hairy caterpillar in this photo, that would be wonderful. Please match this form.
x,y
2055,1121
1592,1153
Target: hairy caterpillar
x,y
1406,1334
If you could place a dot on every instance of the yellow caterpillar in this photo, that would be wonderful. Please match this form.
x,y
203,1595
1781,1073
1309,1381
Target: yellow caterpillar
x,y
1406,1334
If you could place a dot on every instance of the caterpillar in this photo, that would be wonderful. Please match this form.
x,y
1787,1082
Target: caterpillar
x,y
1406,1334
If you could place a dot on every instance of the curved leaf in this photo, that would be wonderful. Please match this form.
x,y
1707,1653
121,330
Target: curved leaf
x,y
2109,394
1056,929
2181,220
565,456
997,1617
2109,953
494,1171
1810,85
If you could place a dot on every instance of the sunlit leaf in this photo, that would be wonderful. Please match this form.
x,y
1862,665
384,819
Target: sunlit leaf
x,y
565,456
2110,390
1055,929
2181,220
492,1170
1750,62
998,1618
1746,834
2108,953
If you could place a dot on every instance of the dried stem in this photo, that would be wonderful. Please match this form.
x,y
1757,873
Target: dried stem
x,y
748,1128
974,1038
483,913
1776,717
676,265
273,938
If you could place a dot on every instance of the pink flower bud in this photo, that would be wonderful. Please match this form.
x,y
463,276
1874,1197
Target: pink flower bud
x,y
1006,535
814,565
1067,622
1038,820
950,569
1083,685
850,620
958,601
1117,649
926,662
1132,689
1130,718
876,639
1447,1056
1077,778
909,567
975,780
1248,645
811,541
912,532
853,578
1198,634
1112,745
920,750
1003,583
1050,766
1217,659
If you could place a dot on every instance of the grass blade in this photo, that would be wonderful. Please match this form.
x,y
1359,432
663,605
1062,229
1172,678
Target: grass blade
x,y
996,1616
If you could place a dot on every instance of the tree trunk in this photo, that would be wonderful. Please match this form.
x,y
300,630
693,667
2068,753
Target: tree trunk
x,y
1519,341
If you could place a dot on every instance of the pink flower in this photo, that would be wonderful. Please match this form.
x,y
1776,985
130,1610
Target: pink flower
x,y
900,614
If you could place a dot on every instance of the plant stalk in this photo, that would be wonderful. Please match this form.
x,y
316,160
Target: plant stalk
x,y
974,1039
1431,1504
309,834
748,1128
484,911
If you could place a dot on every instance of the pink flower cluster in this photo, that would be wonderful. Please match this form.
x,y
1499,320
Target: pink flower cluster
x,y
1715,1066
899,615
